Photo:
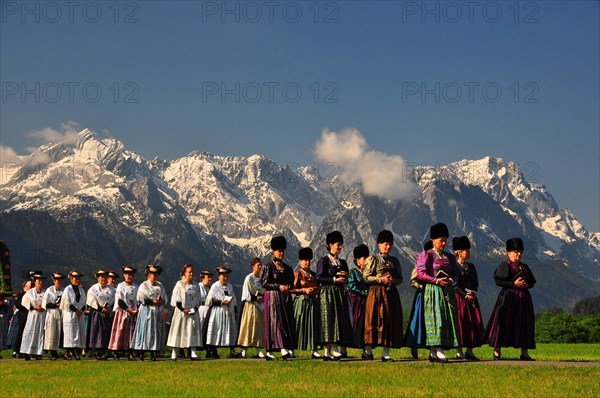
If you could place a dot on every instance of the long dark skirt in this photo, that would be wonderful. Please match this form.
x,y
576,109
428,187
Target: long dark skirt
x,y
16,333
280,327
512,323
415,331
100,325
470,325
335,316
383,317
357,303
306,316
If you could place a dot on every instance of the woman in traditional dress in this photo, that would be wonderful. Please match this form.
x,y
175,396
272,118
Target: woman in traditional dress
x,y
221,328
100,300
149,334
383,310
72,305
358,290
33,334
17,325
306,310
438,271
53,326
185,324
252,316
277,278
126,312
512,323
470,325
414,337
332,275
205,284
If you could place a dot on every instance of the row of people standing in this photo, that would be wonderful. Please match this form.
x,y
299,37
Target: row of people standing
x,y
446,312
333,307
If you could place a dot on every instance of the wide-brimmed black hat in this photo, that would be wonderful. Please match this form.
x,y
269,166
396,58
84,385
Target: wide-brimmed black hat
x,y
206,272
461,243
113,274
223,270
153,269
385,236
278,243
305,253
75,274
57,275
514,244
334,237
37,275
101,272
128,270
361,251
439,230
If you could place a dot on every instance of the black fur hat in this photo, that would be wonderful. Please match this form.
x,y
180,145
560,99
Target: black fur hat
x,y
439,230
305,253
334,237
385,236
461,243
514,244
361,251
278,243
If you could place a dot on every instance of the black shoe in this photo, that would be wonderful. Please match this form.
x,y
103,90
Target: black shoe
x,y
153,356
27,357
344,355
269,358
415,353
366,357
387,359
526,358
327,359
471,357
315,356
38,357
497,357
234,354
286,356
194,358
461,357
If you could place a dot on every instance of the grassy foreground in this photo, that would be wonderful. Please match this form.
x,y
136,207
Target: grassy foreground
x,y
236,378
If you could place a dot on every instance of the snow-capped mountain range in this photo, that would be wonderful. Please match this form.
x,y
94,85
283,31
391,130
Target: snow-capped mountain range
x,y
94,204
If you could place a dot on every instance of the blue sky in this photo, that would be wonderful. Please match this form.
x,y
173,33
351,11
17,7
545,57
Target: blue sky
x,y
434,82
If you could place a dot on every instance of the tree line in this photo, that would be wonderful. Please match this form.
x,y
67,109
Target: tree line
x,y
581,326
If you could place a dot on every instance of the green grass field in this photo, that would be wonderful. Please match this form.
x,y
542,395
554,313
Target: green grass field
x,y
237,378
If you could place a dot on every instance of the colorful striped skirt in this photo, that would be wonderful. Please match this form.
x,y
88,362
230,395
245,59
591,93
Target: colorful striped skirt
x,y
440,317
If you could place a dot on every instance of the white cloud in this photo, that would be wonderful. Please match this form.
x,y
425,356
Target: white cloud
x,y
67,134
8,155
377,173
